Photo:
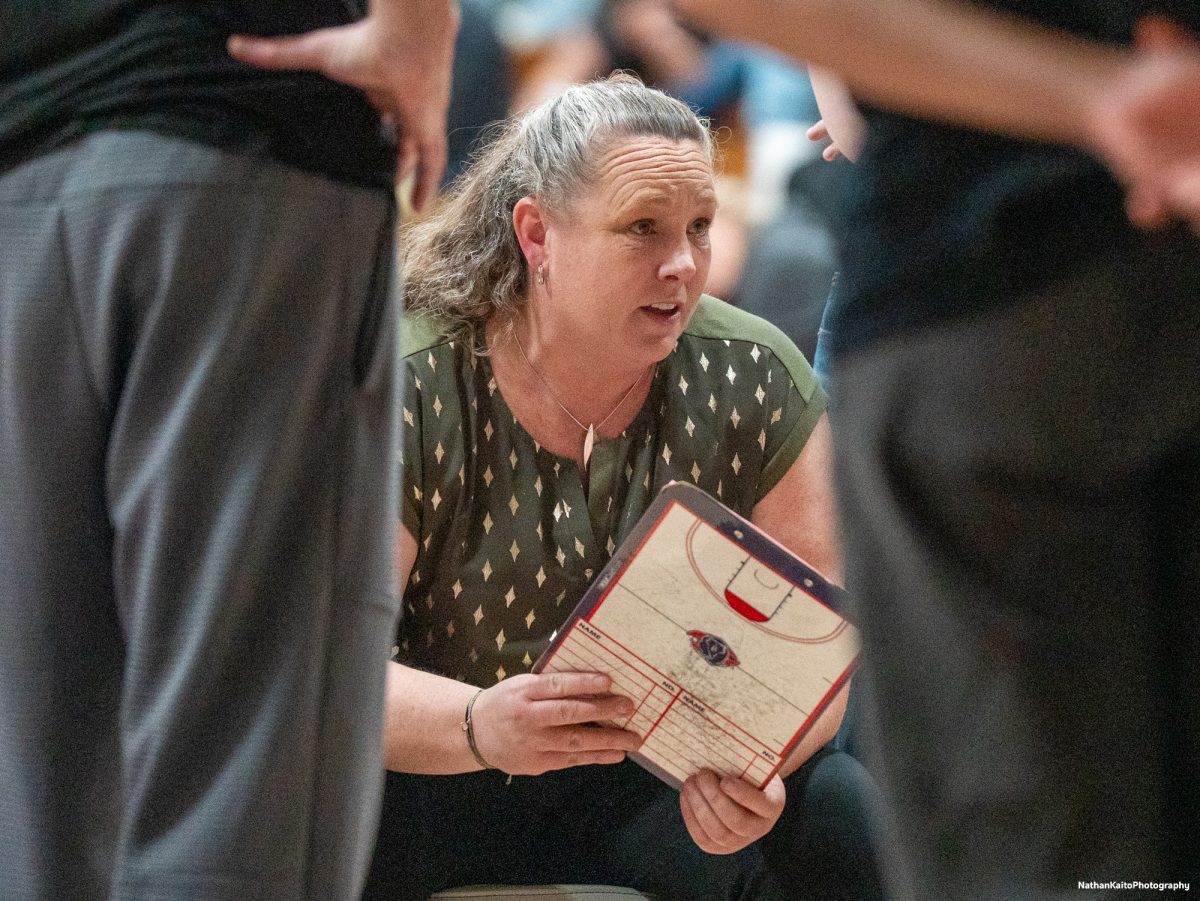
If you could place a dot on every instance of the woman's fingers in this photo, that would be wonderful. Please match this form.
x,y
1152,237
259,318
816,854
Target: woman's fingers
x,y
766,802
559,761
574,739
570,711
719,838
532,723
738,820
566,685
703,840
726,814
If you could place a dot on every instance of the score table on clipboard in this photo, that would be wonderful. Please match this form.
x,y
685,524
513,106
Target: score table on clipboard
x,y
728,645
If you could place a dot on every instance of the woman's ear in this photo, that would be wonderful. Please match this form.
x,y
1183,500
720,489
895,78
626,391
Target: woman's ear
x,y
529,224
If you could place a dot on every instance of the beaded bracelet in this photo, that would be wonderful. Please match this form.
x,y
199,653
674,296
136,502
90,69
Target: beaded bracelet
x,y
469,728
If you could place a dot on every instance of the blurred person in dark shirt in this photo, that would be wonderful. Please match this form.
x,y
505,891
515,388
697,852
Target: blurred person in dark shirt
x,y
196,431
1018,435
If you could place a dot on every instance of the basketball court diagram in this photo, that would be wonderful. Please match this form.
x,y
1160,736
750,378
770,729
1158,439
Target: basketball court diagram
x,y
728,660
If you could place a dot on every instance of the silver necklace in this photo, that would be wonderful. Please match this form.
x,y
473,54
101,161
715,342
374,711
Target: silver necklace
x,y
589,438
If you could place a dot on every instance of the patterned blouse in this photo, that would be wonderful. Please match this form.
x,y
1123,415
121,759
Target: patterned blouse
x,y
508,541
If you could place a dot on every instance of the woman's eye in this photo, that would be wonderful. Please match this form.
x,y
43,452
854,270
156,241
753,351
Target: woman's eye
x,y
642,227
701,226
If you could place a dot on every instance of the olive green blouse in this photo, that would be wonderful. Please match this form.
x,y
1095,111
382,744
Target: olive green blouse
x,y
508,540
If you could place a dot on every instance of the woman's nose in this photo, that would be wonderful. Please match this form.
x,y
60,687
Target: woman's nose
x,y
681,264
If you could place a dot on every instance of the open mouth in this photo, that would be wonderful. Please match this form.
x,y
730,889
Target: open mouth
x,y
664,312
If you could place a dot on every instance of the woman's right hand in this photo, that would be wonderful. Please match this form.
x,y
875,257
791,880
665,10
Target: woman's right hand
x,y
530,724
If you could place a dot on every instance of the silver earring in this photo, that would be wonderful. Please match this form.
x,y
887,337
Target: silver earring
x,y
541,275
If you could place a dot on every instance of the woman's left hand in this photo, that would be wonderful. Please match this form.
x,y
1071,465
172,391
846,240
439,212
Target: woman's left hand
x,y
723,814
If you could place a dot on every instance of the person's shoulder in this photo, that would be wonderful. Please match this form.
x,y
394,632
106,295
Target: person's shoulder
x,y
420,333
715,319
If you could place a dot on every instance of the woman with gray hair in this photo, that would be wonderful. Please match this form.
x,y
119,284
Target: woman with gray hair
x,y
563,365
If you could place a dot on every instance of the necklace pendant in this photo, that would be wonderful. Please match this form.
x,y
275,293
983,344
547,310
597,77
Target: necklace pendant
x,y
588,440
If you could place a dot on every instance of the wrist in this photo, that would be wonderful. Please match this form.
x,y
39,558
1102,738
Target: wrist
x,y
468,729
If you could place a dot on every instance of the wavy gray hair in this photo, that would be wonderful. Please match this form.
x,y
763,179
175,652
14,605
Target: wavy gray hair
x,y
463,264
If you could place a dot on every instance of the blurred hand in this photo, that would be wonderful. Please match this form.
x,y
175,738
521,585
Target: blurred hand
x,y
400,57
819,132
530,724
724,814
1146,125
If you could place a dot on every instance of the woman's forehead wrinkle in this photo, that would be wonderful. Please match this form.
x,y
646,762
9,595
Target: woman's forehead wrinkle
x,y
653,172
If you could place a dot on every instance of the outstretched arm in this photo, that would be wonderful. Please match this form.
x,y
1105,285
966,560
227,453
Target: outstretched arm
x,y
400,57
1138,109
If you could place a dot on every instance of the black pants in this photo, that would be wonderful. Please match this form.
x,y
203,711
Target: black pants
x,y
1021,496
619,825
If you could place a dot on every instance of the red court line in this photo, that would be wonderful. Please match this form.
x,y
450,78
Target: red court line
x,y
568,649
717,748
761,743
584,662
576,632
634,655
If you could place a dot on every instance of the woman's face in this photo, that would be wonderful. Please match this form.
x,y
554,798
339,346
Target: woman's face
x,y
626,263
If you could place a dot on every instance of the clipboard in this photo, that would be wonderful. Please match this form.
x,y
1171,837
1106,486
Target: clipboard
x,y
729,645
